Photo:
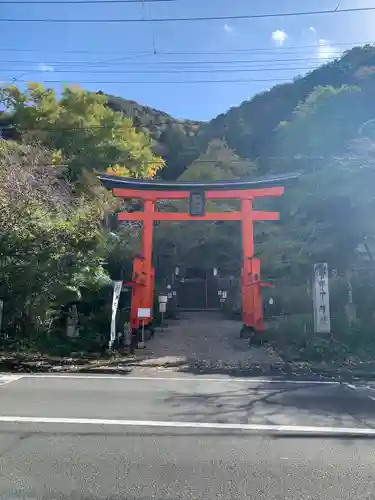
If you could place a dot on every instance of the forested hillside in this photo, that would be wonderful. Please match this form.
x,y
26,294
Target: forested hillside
x,y
172,139
323,124
252,130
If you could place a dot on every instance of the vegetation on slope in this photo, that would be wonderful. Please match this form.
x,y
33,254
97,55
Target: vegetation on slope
x,y
251,128
55,244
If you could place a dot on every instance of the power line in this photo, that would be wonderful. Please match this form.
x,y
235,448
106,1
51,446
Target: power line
x,y
68,51
99,63
177,82
103,63
114,61
166,71
284,50
191,19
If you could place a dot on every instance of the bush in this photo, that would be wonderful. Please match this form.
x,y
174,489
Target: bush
x,y
296,340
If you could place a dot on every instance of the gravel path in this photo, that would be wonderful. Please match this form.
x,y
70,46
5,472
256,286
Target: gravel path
x,y
206,341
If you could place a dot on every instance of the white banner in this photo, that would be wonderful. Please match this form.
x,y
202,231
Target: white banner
x,y
117,286
1,313
322,319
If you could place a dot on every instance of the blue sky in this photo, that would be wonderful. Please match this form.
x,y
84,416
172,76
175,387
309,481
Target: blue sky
x,y
118,58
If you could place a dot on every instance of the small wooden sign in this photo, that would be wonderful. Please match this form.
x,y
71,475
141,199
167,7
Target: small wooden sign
x,y
197,202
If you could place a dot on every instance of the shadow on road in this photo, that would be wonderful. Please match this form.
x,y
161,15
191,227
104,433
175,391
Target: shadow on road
x,y
298,404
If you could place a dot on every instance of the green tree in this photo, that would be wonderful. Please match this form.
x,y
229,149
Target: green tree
x,y
51,241
80,126
322,126
328,214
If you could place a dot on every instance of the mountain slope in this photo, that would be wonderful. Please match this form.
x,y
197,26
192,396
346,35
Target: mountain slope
x,y
251,129
173,139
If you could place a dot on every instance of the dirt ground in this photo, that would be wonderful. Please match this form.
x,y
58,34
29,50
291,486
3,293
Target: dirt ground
x,y
206,340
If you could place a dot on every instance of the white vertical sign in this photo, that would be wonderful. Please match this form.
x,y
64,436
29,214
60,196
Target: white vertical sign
x,y
1,313
117,285
322,318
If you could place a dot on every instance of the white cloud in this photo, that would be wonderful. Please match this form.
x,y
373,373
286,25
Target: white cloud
x,y
279,36
46,67
325,49
312,29
228,28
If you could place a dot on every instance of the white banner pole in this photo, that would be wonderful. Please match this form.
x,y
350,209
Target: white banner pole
x,y
117,285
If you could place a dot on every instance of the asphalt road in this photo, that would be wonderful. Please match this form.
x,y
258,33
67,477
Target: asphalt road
x,y
184,437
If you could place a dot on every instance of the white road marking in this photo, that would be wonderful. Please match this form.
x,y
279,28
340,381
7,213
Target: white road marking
x,y
282,429
6,379
178,379
362,390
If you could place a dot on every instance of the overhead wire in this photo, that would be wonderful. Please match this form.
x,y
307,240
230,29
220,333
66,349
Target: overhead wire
x,y
165,67
285,49
102,62
192,18
247,61
166,71
156,82
175,67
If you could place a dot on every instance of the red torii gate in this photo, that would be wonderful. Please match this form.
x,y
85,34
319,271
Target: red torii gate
x,y
150,191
